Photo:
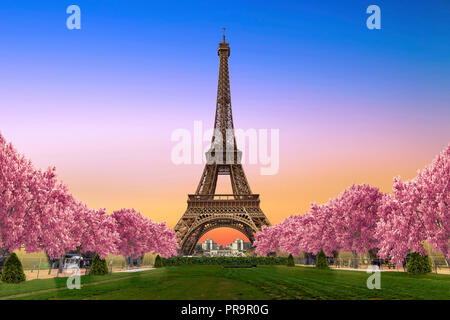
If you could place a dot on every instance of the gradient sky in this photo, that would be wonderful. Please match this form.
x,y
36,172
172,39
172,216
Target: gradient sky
x,y
352,105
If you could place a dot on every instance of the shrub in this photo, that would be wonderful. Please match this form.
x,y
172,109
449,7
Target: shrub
x,y
98,267
321,260
290,261
12,270
158,262
418,264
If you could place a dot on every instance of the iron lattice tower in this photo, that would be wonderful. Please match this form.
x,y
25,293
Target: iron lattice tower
x,y
205,209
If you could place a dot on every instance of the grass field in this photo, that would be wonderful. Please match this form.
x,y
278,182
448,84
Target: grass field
x,y
215,282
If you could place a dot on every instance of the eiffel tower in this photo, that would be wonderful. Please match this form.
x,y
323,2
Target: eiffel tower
x,y
205,209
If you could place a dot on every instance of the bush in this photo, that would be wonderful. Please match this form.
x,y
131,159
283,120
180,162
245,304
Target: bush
x,y
158,262
290,261
12,270
98,267
418,264
321,260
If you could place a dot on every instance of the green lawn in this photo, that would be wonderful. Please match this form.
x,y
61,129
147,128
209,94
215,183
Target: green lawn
x,y
215,282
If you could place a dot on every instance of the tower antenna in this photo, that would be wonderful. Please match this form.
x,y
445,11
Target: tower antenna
x,y
223,29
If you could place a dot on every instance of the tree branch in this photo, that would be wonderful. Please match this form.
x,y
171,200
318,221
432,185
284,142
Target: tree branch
x,y
418,217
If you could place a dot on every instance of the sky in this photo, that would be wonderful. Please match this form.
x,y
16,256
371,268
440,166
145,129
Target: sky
x,y
352,105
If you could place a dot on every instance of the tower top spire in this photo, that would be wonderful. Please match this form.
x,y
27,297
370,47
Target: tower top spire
x,y
223,46
223,29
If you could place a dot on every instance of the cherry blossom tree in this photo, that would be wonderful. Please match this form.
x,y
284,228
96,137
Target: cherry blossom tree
x,y
139,235
306,232
345,223
16,177
309,232
131,228
163,240
94,231
291,239
353,216
267,240
361,218
38,212
49,222
393,230
417,211
319,232
34,206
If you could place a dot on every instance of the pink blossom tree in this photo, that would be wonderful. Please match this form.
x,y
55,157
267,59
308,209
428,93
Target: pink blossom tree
x,y
345,223
267,240
353,216
162,240
16,200
319,232
417,211
139,235
94,231
306,232
34,206
309,232
362,218
37,211
291,237
49,222
132,234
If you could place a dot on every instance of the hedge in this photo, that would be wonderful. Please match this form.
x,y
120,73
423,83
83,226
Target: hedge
x,y
224,261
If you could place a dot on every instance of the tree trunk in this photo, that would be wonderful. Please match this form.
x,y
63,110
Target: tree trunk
x,y
50,261
374,259
60,266
373,253
335,257
355,259
308,258
448,261
3,256
131,261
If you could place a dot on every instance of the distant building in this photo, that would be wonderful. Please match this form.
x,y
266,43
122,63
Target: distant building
x,y
236,248
240,245
209,245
